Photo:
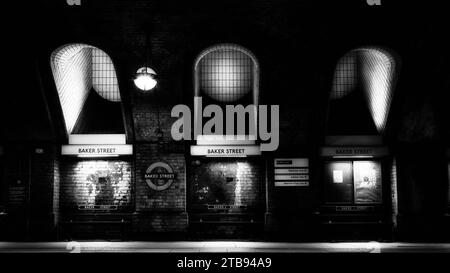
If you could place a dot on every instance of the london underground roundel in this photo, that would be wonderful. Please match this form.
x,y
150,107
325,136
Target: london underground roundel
x,y
159,176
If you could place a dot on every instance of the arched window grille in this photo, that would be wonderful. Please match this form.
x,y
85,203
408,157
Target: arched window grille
x,y
371,70
226,73
78,68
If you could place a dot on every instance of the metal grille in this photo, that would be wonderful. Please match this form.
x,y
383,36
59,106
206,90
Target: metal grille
x,y
77,68
345,76
373,71
226,74
377,76
104,79
71,67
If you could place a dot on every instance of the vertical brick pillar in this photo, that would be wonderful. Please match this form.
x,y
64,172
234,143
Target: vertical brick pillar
x,y
31,192
162,212
44,199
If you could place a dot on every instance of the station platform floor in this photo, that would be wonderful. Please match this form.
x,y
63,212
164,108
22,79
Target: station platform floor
x,y
219,247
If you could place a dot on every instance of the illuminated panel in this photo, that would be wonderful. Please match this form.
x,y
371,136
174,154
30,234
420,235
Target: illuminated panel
x,y
77,68
226,73
97,139
372,70
377,80
71,66
92,185
338,179
367,182
227,185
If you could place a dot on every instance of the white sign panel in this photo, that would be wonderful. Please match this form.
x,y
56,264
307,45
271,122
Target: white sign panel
x,y
225,151
97,139
96,150
338,176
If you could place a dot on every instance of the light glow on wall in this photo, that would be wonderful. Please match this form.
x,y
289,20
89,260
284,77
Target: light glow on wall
x,y
101,183
78,68
241,169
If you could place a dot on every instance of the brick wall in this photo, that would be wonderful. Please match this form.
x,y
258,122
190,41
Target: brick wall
x,y
43,186
71,66
159,211
29,185
227,182
290,209
56,191
95,186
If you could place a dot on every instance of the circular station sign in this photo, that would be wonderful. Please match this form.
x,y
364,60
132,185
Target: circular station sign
x,y
159,176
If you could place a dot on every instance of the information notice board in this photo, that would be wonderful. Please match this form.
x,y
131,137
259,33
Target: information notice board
x,y
291,172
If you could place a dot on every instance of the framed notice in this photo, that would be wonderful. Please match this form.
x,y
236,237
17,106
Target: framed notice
x,y
291,172
367,182
338,179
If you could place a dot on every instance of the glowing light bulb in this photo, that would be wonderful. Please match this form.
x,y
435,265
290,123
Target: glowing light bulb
x,y
145,79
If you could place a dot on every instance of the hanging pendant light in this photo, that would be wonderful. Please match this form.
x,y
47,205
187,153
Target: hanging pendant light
x,y
145,79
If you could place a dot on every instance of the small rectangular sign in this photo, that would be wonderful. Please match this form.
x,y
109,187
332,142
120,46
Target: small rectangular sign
x,y
292,177
291,162
292,171
338,176
291,183
354,151
96,150
226,151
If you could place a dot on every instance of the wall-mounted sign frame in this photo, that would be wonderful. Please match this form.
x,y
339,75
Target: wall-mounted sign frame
x,y
344,151
291,172
225,150
96,150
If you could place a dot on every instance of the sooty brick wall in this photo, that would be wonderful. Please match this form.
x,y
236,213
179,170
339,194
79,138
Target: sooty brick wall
x,y
171,199
95,185
159,211
238,183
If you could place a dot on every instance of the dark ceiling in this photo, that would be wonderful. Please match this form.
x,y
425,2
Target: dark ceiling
x,y
297,43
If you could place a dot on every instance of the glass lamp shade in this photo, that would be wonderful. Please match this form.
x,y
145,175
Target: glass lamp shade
x,y
145,79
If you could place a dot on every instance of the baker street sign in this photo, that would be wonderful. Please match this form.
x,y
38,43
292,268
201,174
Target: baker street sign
x,y
159,176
